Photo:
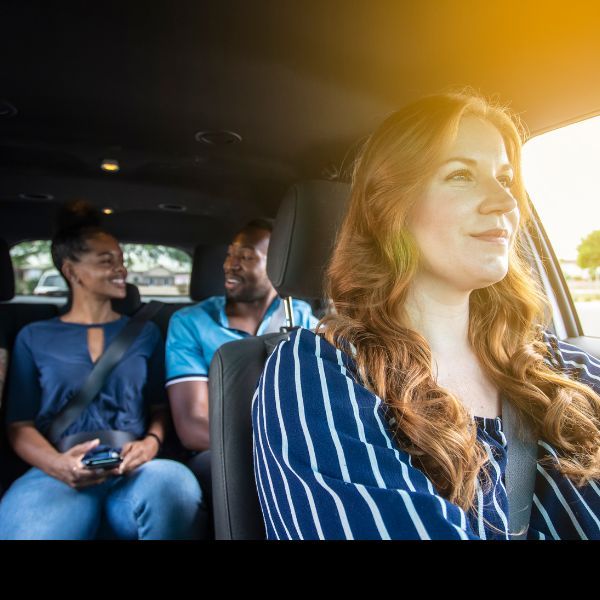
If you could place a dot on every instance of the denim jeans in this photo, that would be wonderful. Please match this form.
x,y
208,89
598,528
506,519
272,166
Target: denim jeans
x,y
159,500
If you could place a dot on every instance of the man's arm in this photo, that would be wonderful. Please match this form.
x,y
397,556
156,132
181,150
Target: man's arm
x,y
187,386
189,407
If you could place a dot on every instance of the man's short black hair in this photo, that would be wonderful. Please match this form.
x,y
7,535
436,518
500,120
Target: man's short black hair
x,y
262,223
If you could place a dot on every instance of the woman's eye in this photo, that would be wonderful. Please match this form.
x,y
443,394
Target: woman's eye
x,y
460,176
505,182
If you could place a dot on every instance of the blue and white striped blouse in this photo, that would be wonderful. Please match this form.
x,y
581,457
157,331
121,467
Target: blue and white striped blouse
x,y
327,467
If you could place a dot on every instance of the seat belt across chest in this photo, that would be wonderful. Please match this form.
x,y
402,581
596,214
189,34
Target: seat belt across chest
x,y
101,370
521,470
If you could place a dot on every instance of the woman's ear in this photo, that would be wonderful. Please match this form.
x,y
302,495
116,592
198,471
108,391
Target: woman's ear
x,y
69,273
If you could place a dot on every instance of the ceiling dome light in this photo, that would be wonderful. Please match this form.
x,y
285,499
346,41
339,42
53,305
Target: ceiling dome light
x,y
108,211
110,165
218,138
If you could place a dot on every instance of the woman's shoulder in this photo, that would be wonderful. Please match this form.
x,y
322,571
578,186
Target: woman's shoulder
x,y
306,360
559,350
313,346
151,334
43,328
568,357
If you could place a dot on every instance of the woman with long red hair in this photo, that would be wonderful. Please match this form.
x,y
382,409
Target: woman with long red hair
x,y
387,422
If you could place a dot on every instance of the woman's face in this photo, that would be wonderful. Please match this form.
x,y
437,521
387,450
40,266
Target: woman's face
x,y
100,270
466,218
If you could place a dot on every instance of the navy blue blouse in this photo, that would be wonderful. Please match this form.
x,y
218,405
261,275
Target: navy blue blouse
x,y
51,361
327,465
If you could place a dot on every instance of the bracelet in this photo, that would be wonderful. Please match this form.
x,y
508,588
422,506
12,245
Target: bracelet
x,y
156,438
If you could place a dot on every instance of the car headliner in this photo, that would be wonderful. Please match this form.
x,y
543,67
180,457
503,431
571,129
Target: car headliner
x,y
301,82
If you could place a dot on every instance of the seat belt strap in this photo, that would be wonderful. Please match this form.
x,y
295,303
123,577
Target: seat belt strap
x,y
520,470
99,373
277,320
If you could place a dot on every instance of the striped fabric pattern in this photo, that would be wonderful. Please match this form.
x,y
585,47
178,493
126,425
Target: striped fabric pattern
x,y
327,467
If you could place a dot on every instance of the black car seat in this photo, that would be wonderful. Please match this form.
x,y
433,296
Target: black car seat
x,y
124,306
299,249
207,277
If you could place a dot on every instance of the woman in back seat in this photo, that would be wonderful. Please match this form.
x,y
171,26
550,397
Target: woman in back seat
x,y
59,498
390,421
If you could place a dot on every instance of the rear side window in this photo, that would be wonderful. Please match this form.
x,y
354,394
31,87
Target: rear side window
x,y
561,174
158,271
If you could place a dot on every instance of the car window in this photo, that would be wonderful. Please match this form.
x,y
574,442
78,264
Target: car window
x,y
158,271
561,175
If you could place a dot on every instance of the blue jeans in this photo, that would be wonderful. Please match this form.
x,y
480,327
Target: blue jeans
x,y
159,500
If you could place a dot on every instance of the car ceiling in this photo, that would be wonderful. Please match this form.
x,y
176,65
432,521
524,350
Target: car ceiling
x,y
302,83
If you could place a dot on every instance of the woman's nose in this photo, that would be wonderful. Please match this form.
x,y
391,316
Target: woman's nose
x,y
498,199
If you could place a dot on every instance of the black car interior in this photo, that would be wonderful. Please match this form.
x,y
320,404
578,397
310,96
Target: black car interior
x,y
214,112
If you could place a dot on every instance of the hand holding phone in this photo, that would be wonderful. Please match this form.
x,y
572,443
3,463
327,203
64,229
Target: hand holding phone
x,y
102,457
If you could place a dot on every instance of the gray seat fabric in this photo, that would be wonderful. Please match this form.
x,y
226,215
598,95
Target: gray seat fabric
x,y
300,246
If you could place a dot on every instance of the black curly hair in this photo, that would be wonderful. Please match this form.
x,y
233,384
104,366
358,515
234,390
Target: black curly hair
x,y
77,222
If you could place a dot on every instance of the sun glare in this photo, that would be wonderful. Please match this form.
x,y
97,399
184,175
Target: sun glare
x,y
561,170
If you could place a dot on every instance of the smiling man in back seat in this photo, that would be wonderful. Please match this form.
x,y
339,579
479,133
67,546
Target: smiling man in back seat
x,y
250,307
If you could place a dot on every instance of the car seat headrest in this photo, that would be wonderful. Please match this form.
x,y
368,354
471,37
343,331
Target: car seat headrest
x,y
131,302
303,237
7,274
207,278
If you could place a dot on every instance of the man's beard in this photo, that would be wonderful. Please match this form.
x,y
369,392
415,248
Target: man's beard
x,y
245,295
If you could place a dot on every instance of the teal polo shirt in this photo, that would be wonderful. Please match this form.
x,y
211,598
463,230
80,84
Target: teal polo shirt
x,y
197,332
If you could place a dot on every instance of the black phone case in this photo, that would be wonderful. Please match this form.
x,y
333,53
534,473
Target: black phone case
x,y
102,463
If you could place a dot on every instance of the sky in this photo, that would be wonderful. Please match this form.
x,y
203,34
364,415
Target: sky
x,y
561,170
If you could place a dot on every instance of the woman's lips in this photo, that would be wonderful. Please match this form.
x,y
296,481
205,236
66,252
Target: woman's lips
x,y
492,239
493,236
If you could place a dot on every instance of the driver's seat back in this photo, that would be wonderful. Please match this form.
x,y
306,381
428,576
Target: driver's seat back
x,y
299,249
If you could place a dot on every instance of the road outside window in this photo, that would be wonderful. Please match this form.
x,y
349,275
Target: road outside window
x,y
158,271
563,180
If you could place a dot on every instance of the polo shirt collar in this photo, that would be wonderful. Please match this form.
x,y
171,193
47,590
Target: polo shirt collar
x,y
224,321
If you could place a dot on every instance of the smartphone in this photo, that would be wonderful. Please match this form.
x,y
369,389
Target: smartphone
x,y
102,457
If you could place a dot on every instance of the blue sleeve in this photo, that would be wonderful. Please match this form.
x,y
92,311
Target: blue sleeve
x,y
574,361
24,392
325,466
184,355
155,385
